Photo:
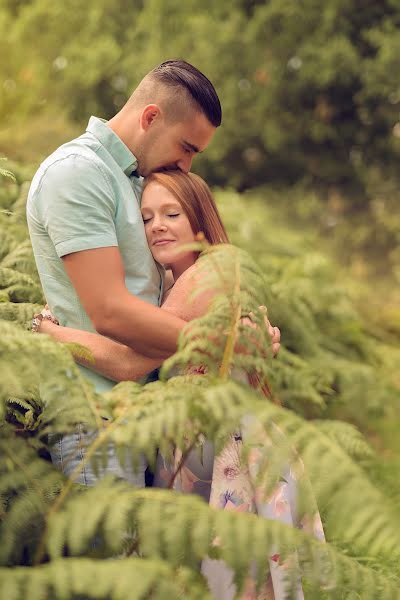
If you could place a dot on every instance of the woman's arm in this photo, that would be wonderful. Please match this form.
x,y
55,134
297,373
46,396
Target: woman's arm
x,y
109,358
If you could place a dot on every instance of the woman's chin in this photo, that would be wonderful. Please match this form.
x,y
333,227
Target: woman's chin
x,y
164,258
175,260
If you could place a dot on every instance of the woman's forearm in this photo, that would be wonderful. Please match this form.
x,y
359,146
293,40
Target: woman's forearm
x,y
107,357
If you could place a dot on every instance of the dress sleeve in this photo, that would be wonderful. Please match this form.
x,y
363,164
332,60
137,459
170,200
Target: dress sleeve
x,y
76,205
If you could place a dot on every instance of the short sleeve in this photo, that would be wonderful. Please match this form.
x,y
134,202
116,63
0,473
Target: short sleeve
x,y
76,205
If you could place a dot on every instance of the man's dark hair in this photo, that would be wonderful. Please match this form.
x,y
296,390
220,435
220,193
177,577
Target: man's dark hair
x,y
180,73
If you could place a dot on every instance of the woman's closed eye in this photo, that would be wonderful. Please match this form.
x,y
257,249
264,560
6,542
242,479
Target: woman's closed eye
x,y
169,215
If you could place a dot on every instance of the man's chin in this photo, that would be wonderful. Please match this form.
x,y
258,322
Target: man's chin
x,y
166,169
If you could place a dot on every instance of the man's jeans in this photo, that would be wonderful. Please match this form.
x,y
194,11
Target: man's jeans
x,y
67,451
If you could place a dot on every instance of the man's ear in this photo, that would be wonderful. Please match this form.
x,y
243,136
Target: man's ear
x,y
149,115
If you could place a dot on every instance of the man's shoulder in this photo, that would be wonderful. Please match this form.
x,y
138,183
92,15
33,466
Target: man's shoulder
x,y
78,153
74,161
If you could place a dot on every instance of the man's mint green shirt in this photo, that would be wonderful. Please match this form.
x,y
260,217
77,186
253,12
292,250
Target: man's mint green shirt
x,y
82,197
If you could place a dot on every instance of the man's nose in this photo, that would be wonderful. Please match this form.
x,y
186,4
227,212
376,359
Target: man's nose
x,y
184,164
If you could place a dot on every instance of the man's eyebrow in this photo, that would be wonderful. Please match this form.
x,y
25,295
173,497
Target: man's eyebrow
x,y
192,147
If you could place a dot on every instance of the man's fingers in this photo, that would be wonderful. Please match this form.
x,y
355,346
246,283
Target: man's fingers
x,y
275,348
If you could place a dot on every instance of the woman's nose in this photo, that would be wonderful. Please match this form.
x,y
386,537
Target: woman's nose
x,y
158,225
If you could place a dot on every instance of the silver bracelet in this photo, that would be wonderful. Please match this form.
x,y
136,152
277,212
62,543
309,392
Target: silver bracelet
x,y
38,318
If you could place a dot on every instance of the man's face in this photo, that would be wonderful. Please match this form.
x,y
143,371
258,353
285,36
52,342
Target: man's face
x,y
173,146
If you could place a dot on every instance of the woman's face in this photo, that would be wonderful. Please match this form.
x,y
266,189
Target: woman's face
x,y
167,228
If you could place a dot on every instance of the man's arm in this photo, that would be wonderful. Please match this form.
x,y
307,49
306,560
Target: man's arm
x,y
99,280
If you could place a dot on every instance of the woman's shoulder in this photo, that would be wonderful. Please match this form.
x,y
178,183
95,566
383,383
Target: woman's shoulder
x,y
192,274
190,296
168,284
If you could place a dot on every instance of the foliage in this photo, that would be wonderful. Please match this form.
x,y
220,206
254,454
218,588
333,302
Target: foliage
x,y
60,540
310,94
310,88
6,173
331,360
133,578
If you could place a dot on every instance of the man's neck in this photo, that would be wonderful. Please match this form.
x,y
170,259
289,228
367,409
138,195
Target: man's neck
x,y
122,125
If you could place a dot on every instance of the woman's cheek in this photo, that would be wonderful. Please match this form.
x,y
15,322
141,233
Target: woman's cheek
x,y
147,233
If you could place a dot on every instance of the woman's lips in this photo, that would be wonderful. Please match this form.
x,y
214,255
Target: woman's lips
x,y
162,242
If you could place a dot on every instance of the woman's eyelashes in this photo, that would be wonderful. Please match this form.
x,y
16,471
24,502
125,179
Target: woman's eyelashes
x,y
170,215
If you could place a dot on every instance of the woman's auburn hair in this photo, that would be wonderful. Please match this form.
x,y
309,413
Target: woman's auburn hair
x,y
197,201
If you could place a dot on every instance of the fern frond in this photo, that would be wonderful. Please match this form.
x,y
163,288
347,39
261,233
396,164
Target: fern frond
x,y
21,259
162,413
6,173
19,207
26,412
347,437
28,485
20,287
56,373
20,313
70,579
182,530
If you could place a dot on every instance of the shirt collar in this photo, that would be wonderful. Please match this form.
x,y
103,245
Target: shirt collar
x,y
115,146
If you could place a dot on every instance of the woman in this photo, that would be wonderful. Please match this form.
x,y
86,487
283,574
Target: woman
x,y
176,207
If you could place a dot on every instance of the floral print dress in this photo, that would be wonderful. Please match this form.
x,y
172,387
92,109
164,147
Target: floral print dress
x,y
231,481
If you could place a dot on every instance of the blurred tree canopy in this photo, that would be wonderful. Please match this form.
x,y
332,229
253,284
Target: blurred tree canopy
x,y
309,89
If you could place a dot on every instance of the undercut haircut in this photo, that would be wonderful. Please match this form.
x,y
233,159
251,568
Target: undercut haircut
x,y
180,86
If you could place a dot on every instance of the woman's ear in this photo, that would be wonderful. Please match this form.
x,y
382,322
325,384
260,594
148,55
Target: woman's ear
x,y
150,114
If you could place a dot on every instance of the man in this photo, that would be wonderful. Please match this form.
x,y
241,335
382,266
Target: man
x,y
86,229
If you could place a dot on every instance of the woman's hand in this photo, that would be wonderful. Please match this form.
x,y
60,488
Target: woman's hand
x,y
274,332
40,319
48,327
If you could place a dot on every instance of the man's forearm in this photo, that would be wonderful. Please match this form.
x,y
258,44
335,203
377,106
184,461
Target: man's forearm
x,y
148,329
